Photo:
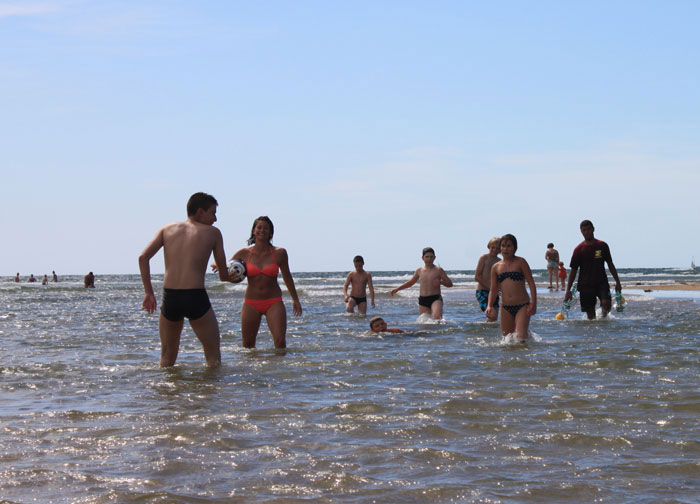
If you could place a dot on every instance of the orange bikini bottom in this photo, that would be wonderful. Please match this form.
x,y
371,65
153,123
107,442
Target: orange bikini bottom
x,y
262,305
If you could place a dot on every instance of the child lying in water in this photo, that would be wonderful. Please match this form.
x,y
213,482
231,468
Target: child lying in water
x,y
377,325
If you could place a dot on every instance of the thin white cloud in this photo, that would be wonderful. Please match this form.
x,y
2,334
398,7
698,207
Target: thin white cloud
x,y
27,9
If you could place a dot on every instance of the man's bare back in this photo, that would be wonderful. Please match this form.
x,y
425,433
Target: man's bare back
x,y
187,247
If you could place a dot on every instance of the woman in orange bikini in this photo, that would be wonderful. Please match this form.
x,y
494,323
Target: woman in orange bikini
x,y
263,295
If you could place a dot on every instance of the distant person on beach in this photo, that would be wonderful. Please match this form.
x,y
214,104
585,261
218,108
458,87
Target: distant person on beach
x,y
360,280
378,325
187,247
483,277
31,278
562,276
591,255
54,278
552,258
431,278
263,295
89,281
45,280
17,277
510,275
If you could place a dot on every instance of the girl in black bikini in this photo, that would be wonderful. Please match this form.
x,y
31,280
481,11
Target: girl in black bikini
x,y
510,274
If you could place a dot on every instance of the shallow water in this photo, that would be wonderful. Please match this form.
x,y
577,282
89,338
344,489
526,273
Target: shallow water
x,y
602,411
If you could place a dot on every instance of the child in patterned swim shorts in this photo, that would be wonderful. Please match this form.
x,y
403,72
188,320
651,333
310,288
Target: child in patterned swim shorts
x,y
483,276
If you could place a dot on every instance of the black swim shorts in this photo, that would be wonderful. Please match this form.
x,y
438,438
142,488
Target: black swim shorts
x,y
180,303
428,301
588,295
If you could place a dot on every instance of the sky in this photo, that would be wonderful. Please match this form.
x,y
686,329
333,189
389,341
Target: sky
x,y
359,127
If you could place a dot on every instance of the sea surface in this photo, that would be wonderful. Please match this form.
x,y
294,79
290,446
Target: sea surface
x,y
587,411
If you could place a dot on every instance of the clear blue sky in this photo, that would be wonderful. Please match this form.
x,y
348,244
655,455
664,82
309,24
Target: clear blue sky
x,y
363,127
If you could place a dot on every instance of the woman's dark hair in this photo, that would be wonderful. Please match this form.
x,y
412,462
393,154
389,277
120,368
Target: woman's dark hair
x,y
251,240
512,239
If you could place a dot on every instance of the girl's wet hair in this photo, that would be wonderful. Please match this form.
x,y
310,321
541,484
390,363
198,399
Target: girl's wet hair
x,y
265,218
512,239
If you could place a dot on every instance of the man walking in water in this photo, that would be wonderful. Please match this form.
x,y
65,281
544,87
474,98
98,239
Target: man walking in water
x,y
591,255
187,247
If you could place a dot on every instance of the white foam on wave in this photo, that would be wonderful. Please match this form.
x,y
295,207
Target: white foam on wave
x,y
427,319
512,339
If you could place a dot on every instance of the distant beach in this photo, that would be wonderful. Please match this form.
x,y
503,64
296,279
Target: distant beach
x,y
671,287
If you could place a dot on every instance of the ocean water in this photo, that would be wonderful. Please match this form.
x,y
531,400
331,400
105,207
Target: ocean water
x,y
587,411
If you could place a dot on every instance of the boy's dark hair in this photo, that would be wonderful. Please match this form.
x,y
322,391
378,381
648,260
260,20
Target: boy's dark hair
x,y
358,258
512,239
251,240
373,320
586,222
550,245
200,200
426,250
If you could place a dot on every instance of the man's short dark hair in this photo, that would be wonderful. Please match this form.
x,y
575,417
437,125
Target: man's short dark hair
x,y
200,200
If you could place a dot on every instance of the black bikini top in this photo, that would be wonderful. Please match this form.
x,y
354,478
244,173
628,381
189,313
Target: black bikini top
x,y
516,276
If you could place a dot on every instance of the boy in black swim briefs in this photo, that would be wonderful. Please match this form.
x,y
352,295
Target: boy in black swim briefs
x,y
360,280
187,247
431,278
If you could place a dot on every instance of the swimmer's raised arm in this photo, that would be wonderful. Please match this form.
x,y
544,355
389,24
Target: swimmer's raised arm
x,y
406,285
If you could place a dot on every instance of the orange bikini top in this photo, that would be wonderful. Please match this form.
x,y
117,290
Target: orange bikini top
x,y
270,270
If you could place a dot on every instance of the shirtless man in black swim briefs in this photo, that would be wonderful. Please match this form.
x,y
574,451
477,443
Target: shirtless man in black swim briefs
x,y
187,247
431,278
360,280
